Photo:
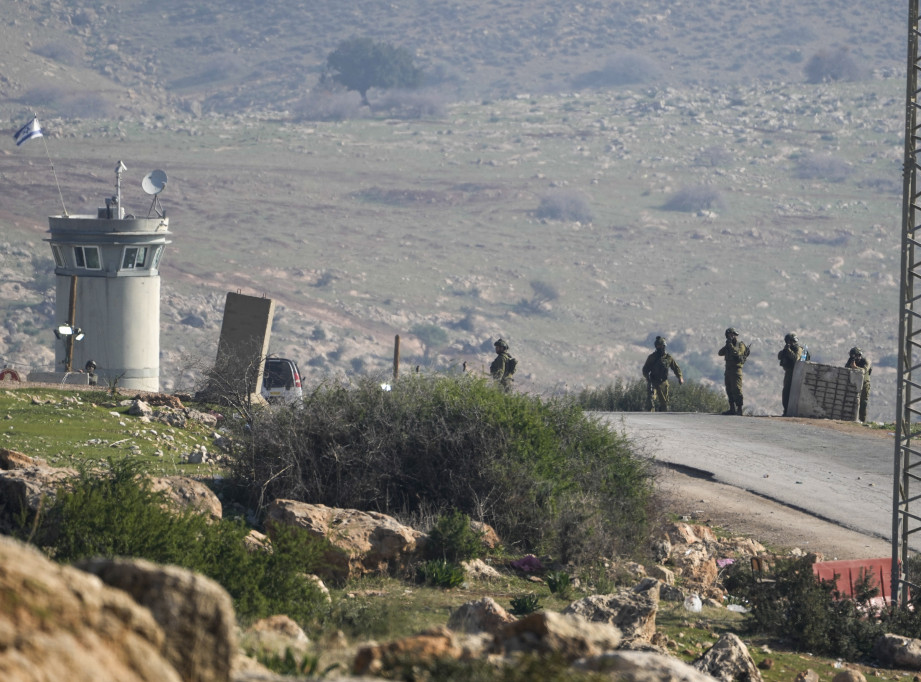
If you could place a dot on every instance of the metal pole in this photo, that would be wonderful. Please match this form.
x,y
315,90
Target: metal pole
x,y
396,357
72,321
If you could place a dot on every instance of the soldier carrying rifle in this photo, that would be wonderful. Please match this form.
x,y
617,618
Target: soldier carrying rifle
x,y
655,371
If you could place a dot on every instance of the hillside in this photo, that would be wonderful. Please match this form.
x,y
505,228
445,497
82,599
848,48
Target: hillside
x,y
722,190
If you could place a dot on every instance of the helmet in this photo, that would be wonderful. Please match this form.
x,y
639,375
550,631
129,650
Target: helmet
x,y
660,342
731,332
501,345
790,338
90,364
855,351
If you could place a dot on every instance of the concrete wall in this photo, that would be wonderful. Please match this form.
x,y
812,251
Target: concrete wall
x,y
244,343
825,392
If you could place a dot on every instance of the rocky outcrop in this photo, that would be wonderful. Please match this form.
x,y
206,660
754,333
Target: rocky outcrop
x,y
641,666
194,612
27,489
632,611
898,652
484,615
360,542
423,648
565,635
59,623
728,660
187,493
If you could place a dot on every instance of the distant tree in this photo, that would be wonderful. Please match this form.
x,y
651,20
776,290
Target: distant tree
x,y
361,64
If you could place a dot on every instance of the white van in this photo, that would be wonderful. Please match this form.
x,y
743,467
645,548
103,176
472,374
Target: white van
x,y
281,381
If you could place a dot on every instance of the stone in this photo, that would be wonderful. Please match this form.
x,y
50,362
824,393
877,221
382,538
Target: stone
x,y
10,459
894,651
360,542
275,635
139,408
488,535
808,675
421,649
728,660
32,487
480,570
632,611
849,676
662,574
641,666
547,632
59,623
484,615
195,613
187,493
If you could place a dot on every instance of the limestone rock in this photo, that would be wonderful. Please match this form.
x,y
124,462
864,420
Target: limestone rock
x,y
187,493
849,676
422,648
480,570
275,635
548,632
27,489
632,611
642,666
728,660
898,652
59,623
195,613
10,459
362,542
484,615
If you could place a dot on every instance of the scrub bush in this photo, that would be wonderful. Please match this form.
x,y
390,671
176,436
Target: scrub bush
x,y
530,468
452,538
116,514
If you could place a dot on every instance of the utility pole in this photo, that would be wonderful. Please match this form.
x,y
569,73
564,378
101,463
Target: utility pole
x,y
907,460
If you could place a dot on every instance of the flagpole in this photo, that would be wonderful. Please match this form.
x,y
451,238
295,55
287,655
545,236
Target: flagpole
x,y
55,175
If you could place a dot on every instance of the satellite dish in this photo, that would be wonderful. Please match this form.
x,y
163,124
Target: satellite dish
x,y
154,182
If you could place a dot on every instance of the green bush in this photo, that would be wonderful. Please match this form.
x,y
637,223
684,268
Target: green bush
x,y
524,604
808,612
559,583
630,396
115,513
441,573
532,469
452,538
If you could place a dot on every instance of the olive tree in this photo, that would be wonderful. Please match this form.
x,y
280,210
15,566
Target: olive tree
x,y
361,64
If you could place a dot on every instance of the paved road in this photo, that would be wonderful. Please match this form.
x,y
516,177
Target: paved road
x,y
840,477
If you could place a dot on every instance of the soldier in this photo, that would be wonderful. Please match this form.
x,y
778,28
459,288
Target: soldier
x,y
504,366
791,353
856,360
735,353
655,372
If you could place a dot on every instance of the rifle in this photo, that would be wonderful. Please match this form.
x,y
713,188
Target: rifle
x,y
748,350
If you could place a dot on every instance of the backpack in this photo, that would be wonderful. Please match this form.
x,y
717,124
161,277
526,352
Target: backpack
x,y
510,366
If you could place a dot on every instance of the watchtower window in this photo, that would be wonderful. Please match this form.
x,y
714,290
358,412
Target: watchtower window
x,y
135,257
87,257
58,256
158,252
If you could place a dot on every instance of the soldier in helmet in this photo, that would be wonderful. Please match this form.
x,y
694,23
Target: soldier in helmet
x,y
655,372
856,360
791,353
504,366
90,369
735,353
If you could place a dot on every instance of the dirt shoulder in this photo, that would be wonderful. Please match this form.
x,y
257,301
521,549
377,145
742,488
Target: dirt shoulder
x,y
774,525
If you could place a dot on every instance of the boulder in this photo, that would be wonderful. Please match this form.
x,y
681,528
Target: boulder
x,y
728,660
484,615
360,542
662,574
488,535
641,666
894,651
31,487
195,613
275,635
632,611
10,459
849,676
422,648
547,632
480,570
187,493
59,623
139,408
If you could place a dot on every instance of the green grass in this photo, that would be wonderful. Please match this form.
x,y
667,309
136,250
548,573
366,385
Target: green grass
x,y
71,428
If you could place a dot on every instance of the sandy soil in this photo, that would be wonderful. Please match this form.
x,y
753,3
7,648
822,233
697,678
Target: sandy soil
x,y
778,527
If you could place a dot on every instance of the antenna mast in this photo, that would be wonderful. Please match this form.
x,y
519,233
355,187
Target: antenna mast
x,y
907,460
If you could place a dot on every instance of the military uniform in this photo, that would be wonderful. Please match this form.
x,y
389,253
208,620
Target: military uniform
x,y
655,372
504,366
735,353
791,353
856,360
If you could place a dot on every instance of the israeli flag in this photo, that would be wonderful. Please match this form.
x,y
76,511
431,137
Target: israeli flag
x,y
28,131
